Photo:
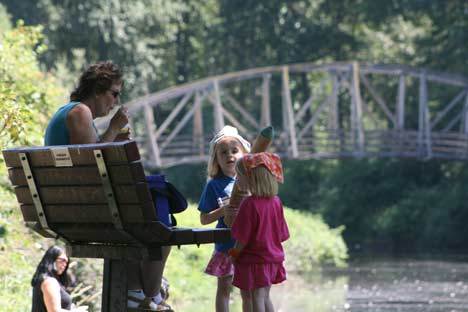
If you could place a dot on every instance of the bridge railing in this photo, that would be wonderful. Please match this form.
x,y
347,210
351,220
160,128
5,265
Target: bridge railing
x,y
350,110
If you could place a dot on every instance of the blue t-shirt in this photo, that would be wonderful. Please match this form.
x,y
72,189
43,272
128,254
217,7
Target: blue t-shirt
x,y
218,187
57,132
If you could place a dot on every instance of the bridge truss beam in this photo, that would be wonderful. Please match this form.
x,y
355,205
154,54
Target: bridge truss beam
x,y
327,111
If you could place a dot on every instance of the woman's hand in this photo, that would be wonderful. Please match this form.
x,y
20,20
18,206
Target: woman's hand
x,y
120,119
124,135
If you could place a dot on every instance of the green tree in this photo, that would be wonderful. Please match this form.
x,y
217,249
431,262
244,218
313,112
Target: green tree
x,y
27,95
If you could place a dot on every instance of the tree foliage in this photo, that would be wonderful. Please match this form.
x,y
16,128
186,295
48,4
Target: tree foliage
x,y
27,95
163,43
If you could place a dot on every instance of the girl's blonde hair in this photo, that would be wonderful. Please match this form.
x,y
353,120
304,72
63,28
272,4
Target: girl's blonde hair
x,y
261,182
213,169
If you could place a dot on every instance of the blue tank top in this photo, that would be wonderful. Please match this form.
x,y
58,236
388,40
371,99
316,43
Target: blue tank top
x,y
57,132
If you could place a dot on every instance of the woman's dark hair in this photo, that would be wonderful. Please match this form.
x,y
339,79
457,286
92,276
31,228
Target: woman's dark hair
x,y
45,268
97,79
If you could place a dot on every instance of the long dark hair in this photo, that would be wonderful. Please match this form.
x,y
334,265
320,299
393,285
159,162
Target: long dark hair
x,y
45,268
96,79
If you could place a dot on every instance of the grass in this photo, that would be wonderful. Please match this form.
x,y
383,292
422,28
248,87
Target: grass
x,y
312,244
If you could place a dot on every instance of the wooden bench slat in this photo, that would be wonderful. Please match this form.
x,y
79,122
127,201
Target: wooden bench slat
x,y
102,233
113,252
203,236
79,194
86,213
79,175
222,235
153,232
189,236
77,208
41,156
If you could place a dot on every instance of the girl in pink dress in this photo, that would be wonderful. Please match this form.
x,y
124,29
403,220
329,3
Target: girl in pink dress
x,y
259,229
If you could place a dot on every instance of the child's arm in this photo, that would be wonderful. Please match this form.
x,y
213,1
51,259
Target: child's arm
x,y
212,216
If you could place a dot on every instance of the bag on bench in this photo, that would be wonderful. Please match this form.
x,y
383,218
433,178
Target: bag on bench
x,y
167,199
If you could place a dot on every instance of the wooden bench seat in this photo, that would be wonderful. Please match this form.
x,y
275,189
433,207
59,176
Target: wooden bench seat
x,y
95,198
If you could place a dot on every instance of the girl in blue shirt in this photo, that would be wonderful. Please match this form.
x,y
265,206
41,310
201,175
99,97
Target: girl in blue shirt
x,y
225,149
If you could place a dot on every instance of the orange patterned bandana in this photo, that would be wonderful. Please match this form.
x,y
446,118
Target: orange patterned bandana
x,y
269,160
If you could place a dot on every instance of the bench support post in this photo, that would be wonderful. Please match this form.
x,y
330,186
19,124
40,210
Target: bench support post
x,y
114,286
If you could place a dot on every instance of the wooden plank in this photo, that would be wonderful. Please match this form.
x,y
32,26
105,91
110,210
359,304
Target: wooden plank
x,y
36,226
204,84
401,102
150,232
380,101
93,233
180,125
197,136
457,118
265,119
422,110
288,111
222,235
315,116
465,115
86,213
79,175
90,194
245,114
356,123
368,112
233,120
135,234
173,114
181,236
307,104
217,110
203,236
208,236
114,153
112,252
151,140
114,297
447,108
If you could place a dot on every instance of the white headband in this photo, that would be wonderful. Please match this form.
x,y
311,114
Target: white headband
x,y
229,131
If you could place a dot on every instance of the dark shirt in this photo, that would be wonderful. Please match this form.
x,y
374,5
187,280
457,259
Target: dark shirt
x,y
38,299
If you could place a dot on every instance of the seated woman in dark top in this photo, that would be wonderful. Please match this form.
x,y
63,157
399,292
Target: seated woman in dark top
x,y
49,284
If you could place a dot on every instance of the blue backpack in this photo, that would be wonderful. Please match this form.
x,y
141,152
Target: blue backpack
x,y
167,199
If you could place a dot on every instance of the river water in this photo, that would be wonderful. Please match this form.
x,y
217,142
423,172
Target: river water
x,y
432,284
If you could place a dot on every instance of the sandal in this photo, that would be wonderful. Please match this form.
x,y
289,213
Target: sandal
x,y
134,298
163,306
149,305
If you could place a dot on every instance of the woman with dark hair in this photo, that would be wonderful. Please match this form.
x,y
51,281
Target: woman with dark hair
x,y
97,93
49,283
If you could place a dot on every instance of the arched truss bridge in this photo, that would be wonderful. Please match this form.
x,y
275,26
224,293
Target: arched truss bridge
x,y
336,110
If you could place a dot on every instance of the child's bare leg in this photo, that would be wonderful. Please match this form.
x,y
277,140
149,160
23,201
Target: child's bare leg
x,y
268,304
247,297
261,300
223,293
